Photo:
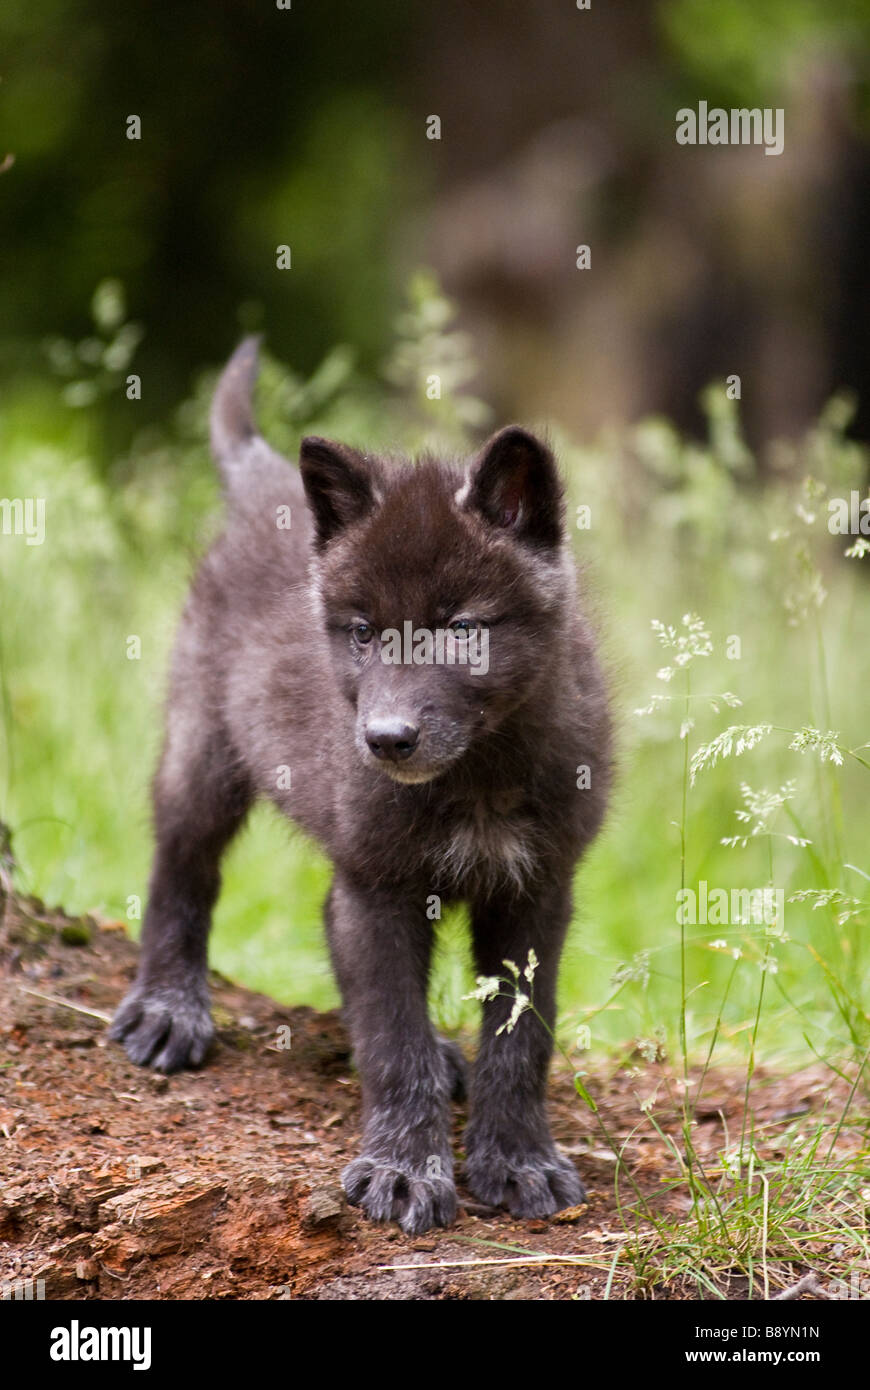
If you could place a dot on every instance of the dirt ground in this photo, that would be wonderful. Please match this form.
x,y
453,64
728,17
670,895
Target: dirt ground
x,y
118,1183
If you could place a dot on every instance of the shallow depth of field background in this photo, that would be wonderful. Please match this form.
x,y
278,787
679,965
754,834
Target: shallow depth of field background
x,y
412,257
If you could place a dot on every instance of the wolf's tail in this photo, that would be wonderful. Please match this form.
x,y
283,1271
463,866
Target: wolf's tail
x,y
232,418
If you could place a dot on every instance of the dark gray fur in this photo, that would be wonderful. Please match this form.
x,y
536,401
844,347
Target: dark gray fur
x,y
269,670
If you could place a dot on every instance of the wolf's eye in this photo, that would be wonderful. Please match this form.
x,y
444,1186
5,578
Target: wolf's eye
x,y
464,627
362,633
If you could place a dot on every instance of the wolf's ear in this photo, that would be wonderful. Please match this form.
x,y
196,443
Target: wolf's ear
x,y
514,483
337,486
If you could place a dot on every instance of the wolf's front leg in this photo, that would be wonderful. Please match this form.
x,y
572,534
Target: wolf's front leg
x,y
381,948
511,1158
200,802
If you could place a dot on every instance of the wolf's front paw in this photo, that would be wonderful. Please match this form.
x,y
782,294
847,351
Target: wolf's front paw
x,y
534,1183
164,1026
416,1196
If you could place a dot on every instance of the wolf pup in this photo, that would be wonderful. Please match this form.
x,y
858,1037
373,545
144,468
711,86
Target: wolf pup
x,y
421,767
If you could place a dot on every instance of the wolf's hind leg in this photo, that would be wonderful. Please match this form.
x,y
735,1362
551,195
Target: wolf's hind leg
x,y
200,801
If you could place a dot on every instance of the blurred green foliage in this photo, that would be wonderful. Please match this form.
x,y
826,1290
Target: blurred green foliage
x,y
675,526
749,53
258,129
264,127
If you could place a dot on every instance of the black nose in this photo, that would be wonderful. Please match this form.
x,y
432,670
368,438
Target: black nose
x,y
391,738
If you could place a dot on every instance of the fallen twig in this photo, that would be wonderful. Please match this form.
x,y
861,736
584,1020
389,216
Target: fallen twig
x,y
808,1284
66,1003
478,1264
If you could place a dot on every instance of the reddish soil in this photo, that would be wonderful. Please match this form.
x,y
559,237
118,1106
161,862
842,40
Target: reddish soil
x,y
118,1183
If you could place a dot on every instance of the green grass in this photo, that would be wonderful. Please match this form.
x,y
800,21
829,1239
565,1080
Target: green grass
x,y
676,527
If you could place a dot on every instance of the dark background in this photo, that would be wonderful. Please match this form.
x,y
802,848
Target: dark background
x,y
308,127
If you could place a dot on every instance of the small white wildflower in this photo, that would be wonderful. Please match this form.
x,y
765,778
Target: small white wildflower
x,y
666,635
831,897
653,1049
656,703
532,966
739,738
728,698
777,932
719,945
520,1004
858,550
636,969
694,641
514,969
487,988
819,897
823,744
759,808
